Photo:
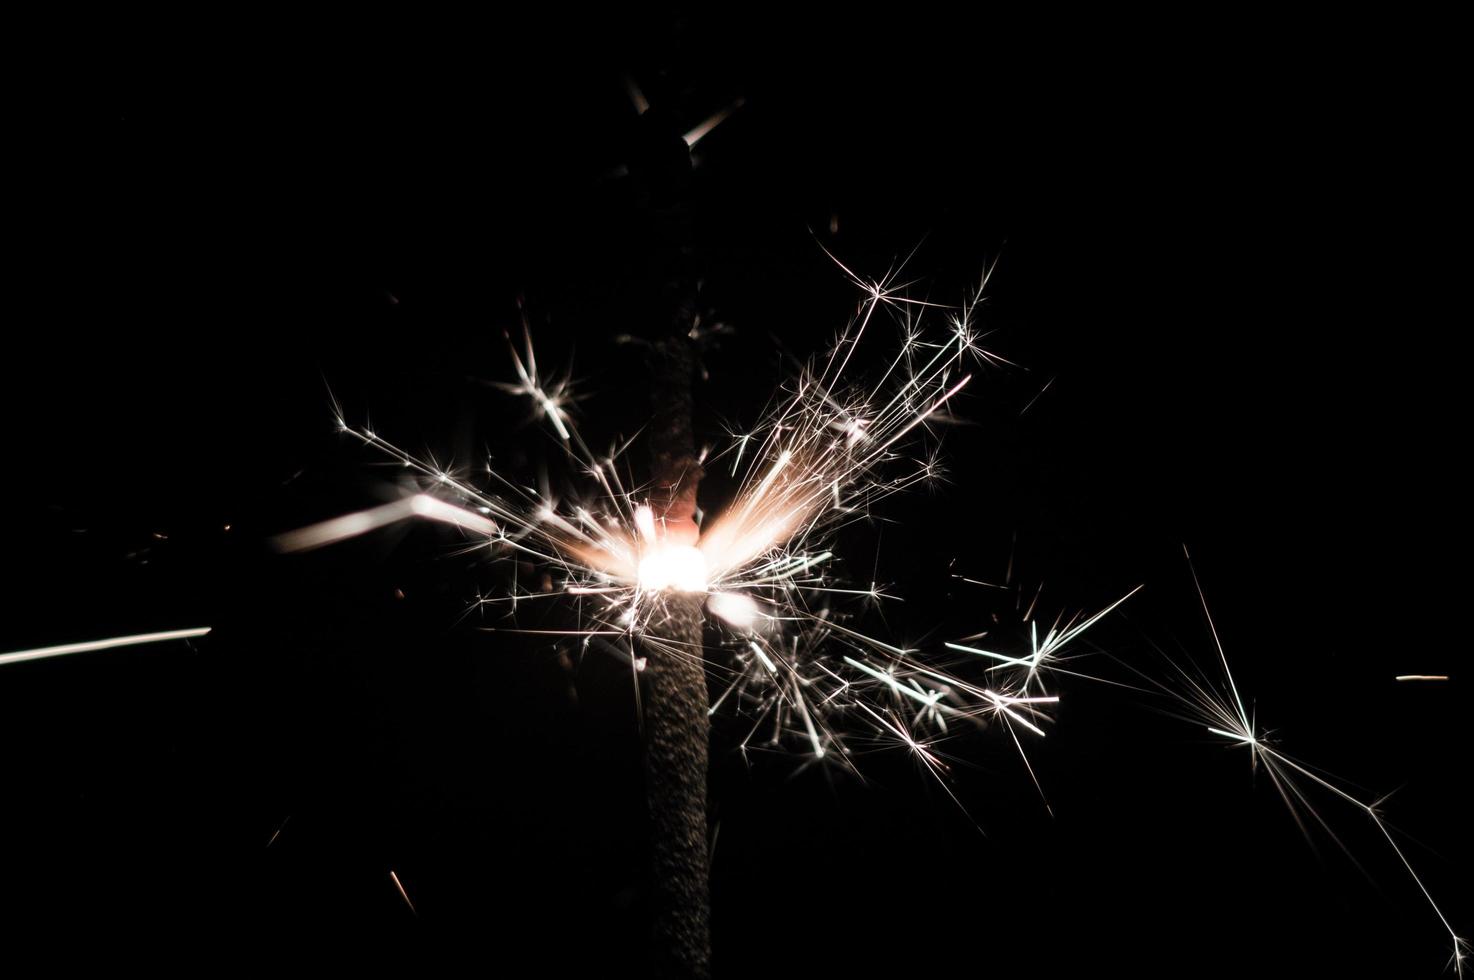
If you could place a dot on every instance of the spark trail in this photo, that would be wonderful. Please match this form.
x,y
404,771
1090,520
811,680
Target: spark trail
x,y
112,643
1220,709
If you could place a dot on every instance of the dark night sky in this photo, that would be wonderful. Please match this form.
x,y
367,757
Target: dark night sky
x,y
1227,245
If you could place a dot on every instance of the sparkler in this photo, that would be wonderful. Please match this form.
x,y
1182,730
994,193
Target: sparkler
x,y
752,594
823,457
638,569
639,566
633,563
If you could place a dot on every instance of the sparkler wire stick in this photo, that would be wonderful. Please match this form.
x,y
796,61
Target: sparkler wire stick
x,y
677,729
675,702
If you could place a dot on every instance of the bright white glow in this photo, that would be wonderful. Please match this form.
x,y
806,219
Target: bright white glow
x,y
1236,736
645,522
734,608
678,566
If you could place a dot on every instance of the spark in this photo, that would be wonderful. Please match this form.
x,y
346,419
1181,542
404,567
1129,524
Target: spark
x,y
1221,712
694,135
360,522
637,95
551,398
1054,641
403,894
42,653
1036,397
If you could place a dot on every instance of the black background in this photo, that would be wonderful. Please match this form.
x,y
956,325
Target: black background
x,y
1232,246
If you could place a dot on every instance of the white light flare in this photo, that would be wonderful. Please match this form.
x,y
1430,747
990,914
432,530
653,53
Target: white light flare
x,y
666,564
736,609
678,567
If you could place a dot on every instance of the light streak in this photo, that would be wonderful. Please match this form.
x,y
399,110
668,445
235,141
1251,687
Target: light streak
x,y
65,649
1220,709
694,135
1036,397
637,95
360,522
403,894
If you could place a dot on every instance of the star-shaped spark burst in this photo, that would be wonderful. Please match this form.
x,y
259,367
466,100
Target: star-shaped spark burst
x,y
1219,707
